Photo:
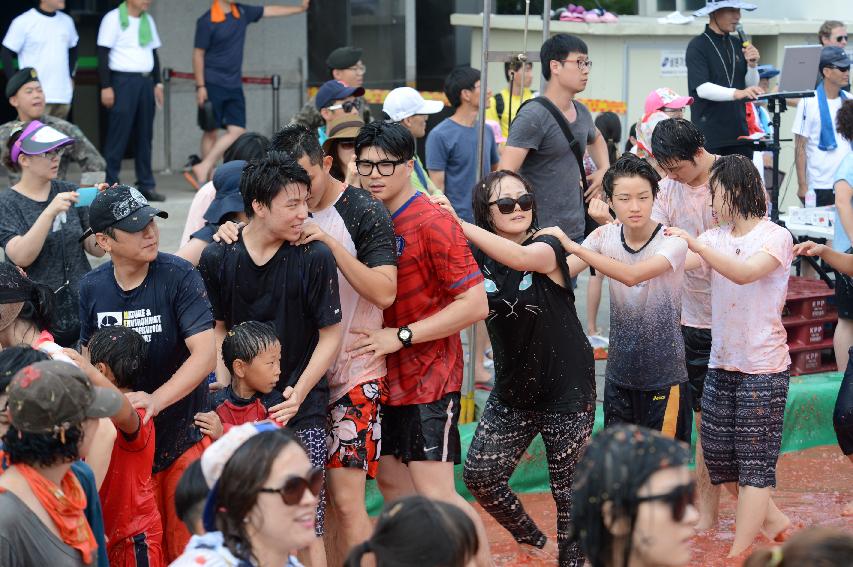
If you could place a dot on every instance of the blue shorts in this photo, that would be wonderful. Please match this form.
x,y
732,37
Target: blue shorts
x,y
229,105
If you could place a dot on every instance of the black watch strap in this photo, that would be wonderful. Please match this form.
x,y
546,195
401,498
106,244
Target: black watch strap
x,y
405,335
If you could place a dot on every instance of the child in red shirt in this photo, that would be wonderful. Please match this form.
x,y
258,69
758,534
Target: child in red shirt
x,y
252,354
131,519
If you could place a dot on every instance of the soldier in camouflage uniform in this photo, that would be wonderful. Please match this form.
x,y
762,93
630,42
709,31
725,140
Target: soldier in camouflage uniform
x,y
24,93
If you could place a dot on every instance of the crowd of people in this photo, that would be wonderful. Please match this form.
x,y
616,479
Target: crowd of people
x,y
227,404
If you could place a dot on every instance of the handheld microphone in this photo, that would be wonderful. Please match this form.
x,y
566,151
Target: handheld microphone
x,y
744,40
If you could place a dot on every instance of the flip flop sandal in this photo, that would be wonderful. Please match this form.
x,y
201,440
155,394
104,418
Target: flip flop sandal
x,y
192,180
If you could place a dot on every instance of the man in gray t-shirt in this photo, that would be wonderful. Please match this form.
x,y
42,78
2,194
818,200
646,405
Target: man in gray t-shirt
x,y
538,149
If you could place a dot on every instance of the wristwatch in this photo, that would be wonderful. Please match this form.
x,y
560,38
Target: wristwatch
x,y
405,335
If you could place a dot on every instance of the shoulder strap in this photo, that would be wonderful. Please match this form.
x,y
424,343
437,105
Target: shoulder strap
x,y
567,132
499,105
421,174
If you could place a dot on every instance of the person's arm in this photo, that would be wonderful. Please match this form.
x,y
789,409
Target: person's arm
x,y
512,158
108,96
437,177
72,61
191,251
844,205
101,450
158,80
753,269
800,143
321,359
839,260
84,153
193,371
281,11
223,377
198,71
598,152
7,56
24,249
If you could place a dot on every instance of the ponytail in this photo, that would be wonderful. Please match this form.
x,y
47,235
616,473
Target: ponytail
x,y
359,551
38,310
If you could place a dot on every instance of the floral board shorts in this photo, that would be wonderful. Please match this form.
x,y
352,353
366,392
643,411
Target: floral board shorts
x,y
355,433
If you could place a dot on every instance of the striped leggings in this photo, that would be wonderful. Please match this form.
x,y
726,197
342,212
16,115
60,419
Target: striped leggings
x,y
502,436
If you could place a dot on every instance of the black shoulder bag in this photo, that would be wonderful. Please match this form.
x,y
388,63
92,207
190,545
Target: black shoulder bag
x,y
589,223
65,327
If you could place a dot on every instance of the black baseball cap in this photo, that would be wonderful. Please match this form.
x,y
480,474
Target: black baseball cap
x,y
343,57
334,90
835,56
122,207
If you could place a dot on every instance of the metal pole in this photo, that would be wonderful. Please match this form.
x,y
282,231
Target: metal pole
x,y
546,20
276,85
167,118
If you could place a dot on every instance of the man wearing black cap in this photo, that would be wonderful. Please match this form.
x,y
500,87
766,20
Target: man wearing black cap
x,y
818,149
721,73
45,38
335,99
162,298
220,36
25,94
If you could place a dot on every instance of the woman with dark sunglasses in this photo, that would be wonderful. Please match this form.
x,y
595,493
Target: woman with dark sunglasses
x,y
544,368
262,500
634,500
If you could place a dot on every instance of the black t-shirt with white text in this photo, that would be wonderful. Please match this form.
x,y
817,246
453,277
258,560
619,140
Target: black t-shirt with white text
x,y
296,291
167,308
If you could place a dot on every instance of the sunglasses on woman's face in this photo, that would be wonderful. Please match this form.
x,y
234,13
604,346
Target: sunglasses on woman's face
x,y
347,106
506,205
679,498
295,486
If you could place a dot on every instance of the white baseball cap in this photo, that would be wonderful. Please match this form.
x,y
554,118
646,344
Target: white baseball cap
x,y
403,102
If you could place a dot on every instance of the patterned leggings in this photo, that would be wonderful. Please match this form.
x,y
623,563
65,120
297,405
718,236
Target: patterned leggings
x,y
502,436
314,440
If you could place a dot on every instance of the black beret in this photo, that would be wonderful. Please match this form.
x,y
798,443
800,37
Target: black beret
x,y
19,79
343,57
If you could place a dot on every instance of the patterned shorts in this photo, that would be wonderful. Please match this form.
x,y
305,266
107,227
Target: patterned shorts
x,y
742,417
314,441
355,433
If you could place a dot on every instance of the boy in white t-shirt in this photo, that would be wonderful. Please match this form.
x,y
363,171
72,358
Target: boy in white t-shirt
x,y
646,380
817,151
45,38
743,405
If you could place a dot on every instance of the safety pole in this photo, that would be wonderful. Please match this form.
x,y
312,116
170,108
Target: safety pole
x,y
167,118
546,20
275,81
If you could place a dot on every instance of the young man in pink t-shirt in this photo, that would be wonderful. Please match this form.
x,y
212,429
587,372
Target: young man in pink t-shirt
x,y
747,383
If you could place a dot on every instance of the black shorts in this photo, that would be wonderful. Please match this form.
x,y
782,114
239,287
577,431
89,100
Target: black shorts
x,y
844,295
229,105
697,350
423,432
842,417
666,410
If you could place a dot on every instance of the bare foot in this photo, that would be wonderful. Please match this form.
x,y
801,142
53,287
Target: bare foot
x,y
848,510
777,529
706,524
550,552
201,172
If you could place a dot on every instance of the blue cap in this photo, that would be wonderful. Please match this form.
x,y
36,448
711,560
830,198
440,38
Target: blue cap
x,y
226,181
834,55
335,90
767,71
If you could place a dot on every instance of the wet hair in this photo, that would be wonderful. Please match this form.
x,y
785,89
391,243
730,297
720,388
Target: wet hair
x,y
263,179
246,341
391,137
632,133
123,350
610,126
676,139
514,66
630,165
557,48
616,465
14,358
43,449
418,532
825,30
39,306
7,159
297,141
460,79
481,196
190,495
249,146
816,547
844,120
743,190
245,473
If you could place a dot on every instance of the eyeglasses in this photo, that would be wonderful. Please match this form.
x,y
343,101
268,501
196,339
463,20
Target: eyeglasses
x,y
840,38
506,205
53,154
348,105
385,168
360,68
295,486
679,498
582,63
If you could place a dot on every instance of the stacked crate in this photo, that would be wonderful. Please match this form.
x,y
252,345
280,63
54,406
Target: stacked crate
x,y
809,318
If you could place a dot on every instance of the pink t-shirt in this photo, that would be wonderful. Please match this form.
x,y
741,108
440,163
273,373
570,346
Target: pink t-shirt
x,y
646,344
362,225
689,208
746,328
195,216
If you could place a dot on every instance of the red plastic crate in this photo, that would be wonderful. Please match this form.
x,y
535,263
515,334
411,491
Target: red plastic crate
x,y
809,334
807,299
812,361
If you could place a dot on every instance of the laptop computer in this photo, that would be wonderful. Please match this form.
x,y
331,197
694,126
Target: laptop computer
x,y
799,69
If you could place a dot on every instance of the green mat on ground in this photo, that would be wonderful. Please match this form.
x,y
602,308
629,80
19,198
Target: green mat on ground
x,y
808,423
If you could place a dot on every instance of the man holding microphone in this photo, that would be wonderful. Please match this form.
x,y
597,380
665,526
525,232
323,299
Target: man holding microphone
x,y
721,72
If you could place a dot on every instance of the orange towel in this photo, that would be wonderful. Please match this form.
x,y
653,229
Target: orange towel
x,y
217,16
